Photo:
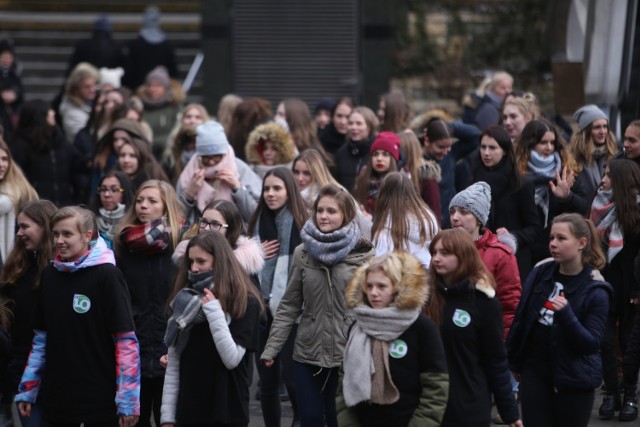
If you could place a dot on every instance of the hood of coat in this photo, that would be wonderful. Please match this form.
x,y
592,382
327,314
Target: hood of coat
x,y
249,253
506,241
411,292
175,95
278,136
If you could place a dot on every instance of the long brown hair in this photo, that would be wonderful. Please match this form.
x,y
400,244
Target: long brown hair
x,y
532,135
399,204
232,285
366,177
15,266
397,113
625,186
302,128
295,202
458,242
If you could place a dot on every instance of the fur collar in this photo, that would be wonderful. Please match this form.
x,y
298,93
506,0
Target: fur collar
x,y
274,133
249,253
411,293
484,286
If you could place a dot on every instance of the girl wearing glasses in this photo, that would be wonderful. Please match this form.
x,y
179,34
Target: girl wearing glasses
x,y
113,198
147,235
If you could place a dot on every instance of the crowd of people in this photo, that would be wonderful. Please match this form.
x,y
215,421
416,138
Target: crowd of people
x,y
383,269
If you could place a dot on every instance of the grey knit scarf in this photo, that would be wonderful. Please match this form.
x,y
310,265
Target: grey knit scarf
x,y
187,309
108,220
361,380
330,248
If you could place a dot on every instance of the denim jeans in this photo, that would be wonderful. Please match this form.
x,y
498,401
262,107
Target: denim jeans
x,y
316,388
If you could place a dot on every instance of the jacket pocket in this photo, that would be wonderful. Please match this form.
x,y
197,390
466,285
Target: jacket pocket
x,y
307,330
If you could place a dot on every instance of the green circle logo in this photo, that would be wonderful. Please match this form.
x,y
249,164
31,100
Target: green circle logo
x,y
461,318
81,303
398,349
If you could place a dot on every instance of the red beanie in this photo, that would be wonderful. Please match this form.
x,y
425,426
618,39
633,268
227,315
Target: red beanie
x,y
389,142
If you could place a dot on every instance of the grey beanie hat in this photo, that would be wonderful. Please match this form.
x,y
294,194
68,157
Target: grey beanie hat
x,y
211,139
587,115
476,199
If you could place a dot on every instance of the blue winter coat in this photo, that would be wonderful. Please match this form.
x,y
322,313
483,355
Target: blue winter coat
x,y
577,331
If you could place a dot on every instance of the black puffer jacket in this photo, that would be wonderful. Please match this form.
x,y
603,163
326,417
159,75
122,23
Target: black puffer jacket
x,y
350,159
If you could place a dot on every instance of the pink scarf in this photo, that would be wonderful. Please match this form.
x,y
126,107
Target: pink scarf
x,y
212,189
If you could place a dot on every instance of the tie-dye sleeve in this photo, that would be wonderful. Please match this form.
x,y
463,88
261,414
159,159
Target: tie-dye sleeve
x,y
30,383
127,373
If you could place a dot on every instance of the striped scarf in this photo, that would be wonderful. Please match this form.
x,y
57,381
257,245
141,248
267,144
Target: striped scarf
x,y
604,217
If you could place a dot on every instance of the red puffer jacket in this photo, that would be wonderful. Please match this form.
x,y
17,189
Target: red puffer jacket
x,y
498,254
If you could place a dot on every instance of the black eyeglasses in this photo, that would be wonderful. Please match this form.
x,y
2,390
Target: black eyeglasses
x,y
213,225
112,190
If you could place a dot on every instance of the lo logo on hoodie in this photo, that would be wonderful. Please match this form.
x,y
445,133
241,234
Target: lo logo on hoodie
x,y
81,303
461,318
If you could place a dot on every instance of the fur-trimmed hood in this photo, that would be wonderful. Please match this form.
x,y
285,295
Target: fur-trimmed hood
x,y
249,253
278,136
411,292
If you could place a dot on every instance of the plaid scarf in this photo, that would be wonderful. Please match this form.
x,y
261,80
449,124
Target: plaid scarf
x,y
604,217
149,238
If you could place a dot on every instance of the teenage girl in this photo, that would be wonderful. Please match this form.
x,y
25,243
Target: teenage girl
x,y
385,153
19,283
321,268
145,241
277,221
470,322
402,221
554,343
393,341
83,319
211,334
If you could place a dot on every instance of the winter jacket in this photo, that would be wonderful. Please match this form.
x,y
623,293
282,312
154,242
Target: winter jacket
x,y
471,330
350,159
142,57
497,253
162,117
384,243
150,279
332,140
74,117
100,50
316,293
420,375
488,112
49,171
23,304
468,139
577,330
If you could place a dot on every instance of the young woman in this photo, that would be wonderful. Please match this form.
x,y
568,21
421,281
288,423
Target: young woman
x,y
214,173
394,370
223,217
425,174
592,147
469,210
147,235
334,135
616,215
191,116
385,153
113,198
136,160
15,191
471,329
543,160
354,155
79,93
247,115
631,143
277,222
83,318
269,146
554,343
19,282
302,129
513,208
402,221
39,148
311,173
332,248
161,97
394,112
517,112
211,334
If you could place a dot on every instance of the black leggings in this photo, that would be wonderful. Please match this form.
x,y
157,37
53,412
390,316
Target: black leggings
x,y
150,401
543,406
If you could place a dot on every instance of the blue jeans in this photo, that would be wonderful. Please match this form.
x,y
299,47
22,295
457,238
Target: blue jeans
x,y
316,392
